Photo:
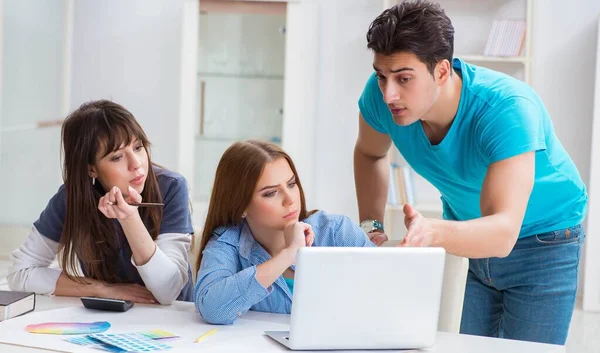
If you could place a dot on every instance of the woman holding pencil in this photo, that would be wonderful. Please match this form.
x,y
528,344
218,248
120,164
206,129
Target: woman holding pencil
x,y
120,224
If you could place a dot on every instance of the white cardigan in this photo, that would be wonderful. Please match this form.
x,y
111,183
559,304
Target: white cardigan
x,y
165,274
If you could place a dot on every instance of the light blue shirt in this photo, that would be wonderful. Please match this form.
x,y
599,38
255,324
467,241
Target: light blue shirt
x,y
227,287
498,117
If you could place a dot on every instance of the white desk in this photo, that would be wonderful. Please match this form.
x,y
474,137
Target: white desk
x,y
251,339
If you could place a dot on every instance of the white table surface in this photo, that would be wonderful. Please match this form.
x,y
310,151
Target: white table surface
x,y
445,342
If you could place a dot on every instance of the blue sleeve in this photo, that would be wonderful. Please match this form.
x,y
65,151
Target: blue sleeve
x,y
349,234
513,127
372,107
224,291
52,219
176,214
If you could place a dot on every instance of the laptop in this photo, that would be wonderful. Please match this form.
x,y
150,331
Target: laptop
x,y
364,298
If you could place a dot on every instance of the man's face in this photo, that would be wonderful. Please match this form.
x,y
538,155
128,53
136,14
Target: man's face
x,y
408,88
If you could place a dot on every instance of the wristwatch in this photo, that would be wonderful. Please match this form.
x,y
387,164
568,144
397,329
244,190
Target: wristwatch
x,y
371,225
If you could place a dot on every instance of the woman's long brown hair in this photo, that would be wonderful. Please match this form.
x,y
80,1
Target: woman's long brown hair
x,y
88,236
237,174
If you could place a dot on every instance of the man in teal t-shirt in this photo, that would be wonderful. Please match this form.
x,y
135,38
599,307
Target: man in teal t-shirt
x,y
513,199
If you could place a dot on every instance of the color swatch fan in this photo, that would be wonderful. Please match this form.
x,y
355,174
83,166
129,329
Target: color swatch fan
x,y
68,328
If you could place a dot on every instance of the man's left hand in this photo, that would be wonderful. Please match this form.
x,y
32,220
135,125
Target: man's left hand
x,y
419,229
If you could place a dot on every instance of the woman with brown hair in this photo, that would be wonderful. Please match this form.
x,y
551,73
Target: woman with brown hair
x,y
109,248
257,220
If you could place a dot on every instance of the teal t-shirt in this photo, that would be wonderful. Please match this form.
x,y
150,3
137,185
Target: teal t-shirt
x,y
290,283
498,117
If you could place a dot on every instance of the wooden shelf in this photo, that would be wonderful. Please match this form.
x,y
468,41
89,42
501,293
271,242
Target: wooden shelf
x,y
273,7
230,139
495,59
240,75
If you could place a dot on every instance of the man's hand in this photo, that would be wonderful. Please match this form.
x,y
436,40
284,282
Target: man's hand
x,y
419,230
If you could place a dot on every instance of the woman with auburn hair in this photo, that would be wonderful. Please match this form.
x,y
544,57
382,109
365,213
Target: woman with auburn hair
x,y
109,248
257,220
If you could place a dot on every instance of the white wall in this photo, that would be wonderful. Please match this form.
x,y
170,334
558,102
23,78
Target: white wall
x,y
143,55
564,53
564,49
591,298
301,93
32,79
343,64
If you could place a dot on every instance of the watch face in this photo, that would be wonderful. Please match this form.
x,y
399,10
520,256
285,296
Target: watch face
x,y
367,226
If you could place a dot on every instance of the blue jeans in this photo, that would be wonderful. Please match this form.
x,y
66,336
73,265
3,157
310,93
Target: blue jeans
x,y
530,294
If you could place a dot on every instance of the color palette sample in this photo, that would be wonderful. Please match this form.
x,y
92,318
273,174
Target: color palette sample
x,y
121,342
158,334
68,328
130,342
93,343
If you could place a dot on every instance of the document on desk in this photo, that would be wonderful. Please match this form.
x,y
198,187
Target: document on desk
x,y
186,325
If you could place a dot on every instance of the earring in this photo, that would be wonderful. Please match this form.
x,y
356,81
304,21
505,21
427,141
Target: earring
x,y
93,181
244,215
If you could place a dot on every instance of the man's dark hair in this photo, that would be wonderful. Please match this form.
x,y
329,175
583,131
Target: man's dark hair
x,y
420,27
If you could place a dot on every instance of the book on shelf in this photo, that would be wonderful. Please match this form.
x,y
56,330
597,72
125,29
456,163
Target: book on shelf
x,y
401,186
506,38
13,304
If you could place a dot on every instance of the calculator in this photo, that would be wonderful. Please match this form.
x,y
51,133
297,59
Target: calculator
x,y
107,304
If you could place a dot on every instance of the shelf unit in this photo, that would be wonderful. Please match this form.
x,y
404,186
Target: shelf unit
x,y
495,59
272,139
524,60
241,78
472,30
240,75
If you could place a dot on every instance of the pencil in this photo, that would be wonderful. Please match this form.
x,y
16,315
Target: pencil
x,y
146,204
140,204
200,338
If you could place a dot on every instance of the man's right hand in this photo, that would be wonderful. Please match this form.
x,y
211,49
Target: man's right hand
x,y
377,238
127,291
